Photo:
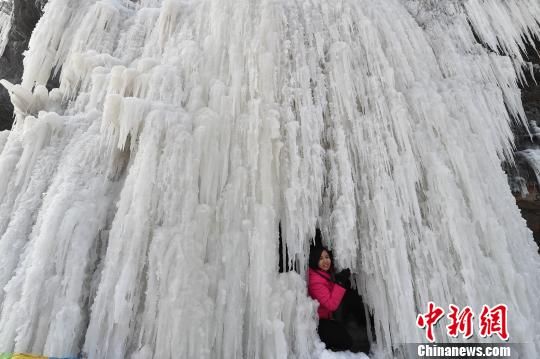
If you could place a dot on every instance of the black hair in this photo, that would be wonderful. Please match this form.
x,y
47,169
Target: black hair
x,y
315,255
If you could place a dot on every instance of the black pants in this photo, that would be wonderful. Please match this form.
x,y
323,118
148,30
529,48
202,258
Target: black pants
x,y
351,305
334,335
350,316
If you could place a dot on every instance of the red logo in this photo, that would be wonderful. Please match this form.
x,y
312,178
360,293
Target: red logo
x,y
460,321
491,321
429,319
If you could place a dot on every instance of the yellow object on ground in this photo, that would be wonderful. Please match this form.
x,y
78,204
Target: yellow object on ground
x,y
20,356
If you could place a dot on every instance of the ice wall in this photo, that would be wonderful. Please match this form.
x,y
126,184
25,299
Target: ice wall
x,y
140,201
6,12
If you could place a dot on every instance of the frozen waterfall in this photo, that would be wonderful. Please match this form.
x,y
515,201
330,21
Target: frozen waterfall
x,y
140,201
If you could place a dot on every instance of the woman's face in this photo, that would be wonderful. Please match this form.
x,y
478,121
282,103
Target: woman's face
x,y
324,261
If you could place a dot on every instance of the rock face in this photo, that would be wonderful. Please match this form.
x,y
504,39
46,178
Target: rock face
x,y
524,176
24,16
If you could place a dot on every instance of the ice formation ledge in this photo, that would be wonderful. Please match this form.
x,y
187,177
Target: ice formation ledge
x,y
140,201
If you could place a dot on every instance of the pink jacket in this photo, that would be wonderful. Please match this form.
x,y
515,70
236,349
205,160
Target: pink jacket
x,y
327,293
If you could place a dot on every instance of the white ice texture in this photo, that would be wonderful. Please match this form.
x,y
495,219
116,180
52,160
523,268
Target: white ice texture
x,y
6,15
140,201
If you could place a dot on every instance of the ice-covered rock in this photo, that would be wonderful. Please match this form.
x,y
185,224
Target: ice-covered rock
x,y
17,21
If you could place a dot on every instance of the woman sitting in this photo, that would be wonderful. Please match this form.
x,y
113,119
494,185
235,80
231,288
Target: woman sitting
x,y
322,287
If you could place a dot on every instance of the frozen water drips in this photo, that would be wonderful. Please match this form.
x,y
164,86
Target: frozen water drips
x,y
6,16
532,157
140,201
3,138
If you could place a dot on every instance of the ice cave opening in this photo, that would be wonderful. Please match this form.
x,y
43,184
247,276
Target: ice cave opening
x,y
352,320
141,192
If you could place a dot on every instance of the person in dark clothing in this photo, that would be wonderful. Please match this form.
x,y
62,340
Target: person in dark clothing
x,y
333,292
323,288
